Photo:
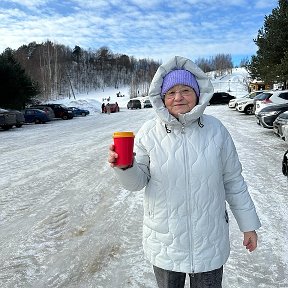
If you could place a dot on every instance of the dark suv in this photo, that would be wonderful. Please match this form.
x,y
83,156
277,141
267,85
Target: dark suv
x,y
61,111
221,98
134,104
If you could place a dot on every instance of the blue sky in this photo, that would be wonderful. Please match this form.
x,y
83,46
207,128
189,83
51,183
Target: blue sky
x,y
151,29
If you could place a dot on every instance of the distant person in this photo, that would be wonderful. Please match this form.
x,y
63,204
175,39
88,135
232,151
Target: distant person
x,y
117,109
103,108
108,108
188,164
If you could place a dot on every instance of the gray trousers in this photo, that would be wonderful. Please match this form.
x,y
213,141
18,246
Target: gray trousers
x,y
171,279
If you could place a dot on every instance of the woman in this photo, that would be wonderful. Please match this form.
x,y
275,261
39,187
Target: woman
x,y
189,166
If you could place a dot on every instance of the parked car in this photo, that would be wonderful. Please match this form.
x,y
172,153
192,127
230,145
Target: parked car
x,y
114,107
274,97
61,111
37,116
134,104
232,102
79,111
221,98
48,110
247,105
266,116
7,119
147,104
280,122
20,120
261,99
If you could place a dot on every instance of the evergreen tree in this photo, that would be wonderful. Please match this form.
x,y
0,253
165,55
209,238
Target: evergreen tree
x,y
269,63
16,87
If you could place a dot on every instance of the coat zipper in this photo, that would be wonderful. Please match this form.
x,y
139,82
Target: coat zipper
x,y
188,195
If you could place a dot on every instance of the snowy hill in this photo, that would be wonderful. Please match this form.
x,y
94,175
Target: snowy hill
x,y
234,83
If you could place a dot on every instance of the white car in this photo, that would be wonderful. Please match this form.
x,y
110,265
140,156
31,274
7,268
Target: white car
x,y
248,106
232,103
264,99
276,97
245,105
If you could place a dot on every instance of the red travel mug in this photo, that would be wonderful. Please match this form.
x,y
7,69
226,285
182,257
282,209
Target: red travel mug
x,y
124,143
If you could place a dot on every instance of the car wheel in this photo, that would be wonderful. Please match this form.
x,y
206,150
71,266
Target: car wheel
x,y
18,125
83,114
64,117
249,110
37,121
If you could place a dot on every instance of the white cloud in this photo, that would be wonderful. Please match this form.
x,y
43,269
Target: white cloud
x,y
260,4
30,3
138,28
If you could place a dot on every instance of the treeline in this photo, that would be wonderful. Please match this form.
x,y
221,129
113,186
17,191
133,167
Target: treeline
x,y
270,63
221,63
49,70
59,71
17,88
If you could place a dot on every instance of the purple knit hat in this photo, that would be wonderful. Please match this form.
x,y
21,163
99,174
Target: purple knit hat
x,y
179,77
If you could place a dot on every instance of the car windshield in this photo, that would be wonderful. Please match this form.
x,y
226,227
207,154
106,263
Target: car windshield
x,y
263,96
253,95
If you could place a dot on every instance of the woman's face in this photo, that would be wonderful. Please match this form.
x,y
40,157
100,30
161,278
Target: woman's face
x,y
180,99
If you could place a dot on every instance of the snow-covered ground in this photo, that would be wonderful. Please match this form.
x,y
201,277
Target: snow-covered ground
x,y
66,222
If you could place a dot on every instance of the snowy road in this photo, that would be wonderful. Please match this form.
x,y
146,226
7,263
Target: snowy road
x,y
66,222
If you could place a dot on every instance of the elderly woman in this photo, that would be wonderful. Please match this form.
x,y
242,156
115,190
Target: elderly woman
x,y
189,166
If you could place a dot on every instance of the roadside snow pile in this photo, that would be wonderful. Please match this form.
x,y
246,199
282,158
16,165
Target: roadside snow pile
x,y
94,106
94,100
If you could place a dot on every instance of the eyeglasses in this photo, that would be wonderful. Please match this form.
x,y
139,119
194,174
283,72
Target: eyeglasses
x,y
183,92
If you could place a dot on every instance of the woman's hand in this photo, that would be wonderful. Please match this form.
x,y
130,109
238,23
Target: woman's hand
x,y
112,157
250,240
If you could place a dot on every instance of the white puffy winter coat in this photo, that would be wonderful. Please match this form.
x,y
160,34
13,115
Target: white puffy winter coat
x,y
190,169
